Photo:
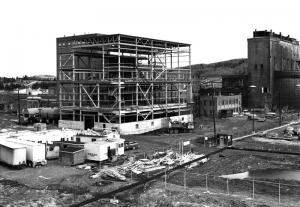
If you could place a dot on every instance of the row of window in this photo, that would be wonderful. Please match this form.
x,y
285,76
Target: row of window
x,y
221,102
210,112
229,101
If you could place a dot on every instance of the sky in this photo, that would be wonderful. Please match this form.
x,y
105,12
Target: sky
x,y
217,29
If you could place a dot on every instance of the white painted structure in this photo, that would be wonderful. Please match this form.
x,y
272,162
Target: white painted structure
x,y
45,137
93,136
130,127
35,152
12,153
52,152
99,150
144,126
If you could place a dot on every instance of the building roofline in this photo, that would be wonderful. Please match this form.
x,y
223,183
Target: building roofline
x,y
272,35
94,35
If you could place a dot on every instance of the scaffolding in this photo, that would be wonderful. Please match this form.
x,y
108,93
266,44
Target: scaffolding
x,y
120,78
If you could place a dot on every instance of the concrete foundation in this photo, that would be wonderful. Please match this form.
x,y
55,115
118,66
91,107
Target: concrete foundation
x,y
131,127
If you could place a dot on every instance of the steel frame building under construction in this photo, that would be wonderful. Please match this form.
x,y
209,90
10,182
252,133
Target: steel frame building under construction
x,y
131,83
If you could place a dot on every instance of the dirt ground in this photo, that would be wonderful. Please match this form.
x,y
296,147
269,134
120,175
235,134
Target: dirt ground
x,y
68,185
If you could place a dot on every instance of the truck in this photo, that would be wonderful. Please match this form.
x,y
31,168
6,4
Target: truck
x,y
180,127
131,145
12,154
43,114
35,152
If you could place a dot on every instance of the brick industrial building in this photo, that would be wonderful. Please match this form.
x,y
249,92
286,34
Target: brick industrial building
x,y
131,83
220,105
230,88
274,68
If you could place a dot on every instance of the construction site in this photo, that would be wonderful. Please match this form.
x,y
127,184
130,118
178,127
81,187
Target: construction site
x,y
133,84
124,132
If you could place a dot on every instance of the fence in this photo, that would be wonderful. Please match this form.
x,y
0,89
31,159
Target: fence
x,y
246,188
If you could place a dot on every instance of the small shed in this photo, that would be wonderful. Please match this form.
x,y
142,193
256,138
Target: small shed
x,y
72,156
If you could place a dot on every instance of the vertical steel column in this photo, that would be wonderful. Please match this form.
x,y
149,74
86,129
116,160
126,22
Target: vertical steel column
x,y
137,81
98,95
103,63
152,80
80,98
60,95
213,109
171,68
80,103
178,67
166,78
119,78
73,88
190,81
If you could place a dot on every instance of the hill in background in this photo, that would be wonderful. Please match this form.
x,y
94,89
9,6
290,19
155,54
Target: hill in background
x,y
229,67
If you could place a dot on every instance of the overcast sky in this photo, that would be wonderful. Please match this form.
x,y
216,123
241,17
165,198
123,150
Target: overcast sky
x,y
217,29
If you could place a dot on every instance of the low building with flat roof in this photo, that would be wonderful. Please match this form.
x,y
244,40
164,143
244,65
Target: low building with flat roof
x,y
220,105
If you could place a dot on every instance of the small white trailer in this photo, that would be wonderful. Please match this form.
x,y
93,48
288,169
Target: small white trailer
x,y
35,152
12,154
104,149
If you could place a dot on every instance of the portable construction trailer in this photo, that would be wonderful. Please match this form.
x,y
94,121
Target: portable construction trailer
x,y
35,152
45,137
12,154
104,149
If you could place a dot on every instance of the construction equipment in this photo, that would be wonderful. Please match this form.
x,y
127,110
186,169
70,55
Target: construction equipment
x,y
131,145
176,127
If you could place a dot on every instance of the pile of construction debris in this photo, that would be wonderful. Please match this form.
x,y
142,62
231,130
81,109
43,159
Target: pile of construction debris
x,y
161,160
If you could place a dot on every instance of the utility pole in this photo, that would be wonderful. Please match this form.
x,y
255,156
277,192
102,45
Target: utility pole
x,y
253,130
253,87
19,107
279,105
213,110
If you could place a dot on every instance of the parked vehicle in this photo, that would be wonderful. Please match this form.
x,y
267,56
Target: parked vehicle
x,y
252,116
34,115
270,115
12,154
180,127
261,119
261,134
35,152
131,145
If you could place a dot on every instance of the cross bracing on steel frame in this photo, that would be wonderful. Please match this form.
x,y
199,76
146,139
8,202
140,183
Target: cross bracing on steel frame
x,y
153,79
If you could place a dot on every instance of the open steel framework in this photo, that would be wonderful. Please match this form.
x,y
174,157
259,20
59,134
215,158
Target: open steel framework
x,y
120,78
